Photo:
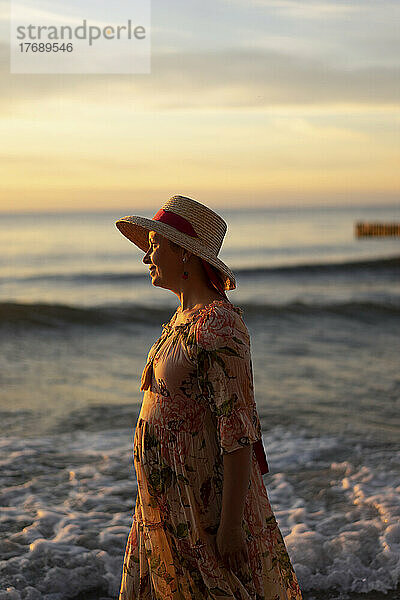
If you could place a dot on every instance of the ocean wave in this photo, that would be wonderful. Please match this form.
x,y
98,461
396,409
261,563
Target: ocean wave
x,y
77,278
379,265
59,315
376,265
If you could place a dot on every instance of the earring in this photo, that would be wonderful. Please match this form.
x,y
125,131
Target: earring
x,y
185,273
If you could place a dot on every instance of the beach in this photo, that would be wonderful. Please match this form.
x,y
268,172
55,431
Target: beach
x,y
77,317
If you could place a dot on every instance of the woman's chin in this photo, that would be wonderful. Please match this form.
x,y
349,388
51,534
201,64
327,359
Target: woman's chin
x,y
158,282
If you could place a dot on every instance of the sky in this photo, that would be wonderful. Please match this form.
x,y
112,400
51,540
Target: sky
x,y
249,102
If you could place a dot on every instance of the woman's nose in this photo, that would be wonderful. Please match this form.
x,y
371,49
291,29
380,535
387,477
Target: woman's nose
x,y
146,258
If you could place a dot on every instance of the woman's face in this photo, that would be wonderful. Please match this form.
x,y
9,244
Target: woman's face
x,y
165,263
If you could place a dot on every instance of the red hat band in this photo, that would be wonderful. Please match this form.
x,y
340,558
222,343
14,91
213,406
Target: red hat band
x,y
184,226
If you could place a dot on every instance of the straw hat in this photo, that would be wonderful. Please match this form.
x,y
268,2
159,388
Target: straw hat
x,y
189,224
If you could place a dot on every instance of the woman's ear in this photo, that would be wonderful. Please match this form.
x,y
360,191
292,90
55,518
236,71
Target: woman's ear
x,y
186,255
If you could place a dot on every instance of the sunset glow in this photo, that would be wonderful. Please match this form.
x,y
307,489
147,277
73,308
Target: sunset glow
x,y
300,108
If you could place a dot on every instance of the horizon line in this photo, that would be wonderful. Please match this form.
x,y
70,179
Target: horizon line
x,y
223,208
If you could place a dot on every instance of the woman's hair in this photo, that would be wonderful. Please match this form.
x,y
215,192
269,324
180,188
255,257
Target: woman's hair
x,y
177,247
174,246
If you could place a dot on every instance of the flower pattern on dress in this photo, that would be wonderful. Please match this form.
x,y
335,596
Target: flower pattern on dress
x,y
198,404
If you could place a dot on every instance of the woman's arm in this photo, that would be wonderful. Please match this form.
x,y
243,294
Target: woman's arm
x,y
225,378
230,541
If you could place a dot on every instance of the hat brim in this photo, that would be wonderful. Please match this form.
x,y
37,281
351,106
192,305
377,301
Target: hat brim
x,y
136,229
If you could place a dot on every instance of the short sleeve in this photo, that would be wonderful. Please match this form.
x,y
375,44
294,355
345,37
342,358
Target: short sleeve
x,y
225,376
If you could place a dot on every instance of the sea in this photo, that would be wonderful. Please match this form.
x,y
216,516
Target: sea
x,y
78,314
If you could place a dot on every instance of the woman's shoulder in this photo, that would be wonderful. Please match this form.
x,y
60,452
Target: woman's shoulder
x,y
218,323
218,311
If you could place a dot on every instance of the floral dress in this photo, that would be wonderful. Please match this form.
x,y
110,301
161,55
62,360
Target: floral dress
x,y
199,404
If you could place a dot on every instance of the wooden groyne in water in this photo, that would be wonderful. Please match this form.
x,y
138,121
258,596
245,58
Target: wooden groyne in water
x,y
376,229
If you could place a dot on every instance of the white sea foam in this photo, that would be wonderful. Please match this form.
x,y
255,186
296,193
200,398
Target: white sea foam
x,y
340,519
67,505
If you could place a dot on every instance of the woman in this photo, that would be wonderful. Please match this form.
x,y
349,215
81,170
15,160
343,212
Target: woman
x,y
203,526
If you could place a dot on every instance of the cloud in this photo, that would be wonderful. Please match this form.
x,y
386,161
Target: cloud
x,y
316,9
226,79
